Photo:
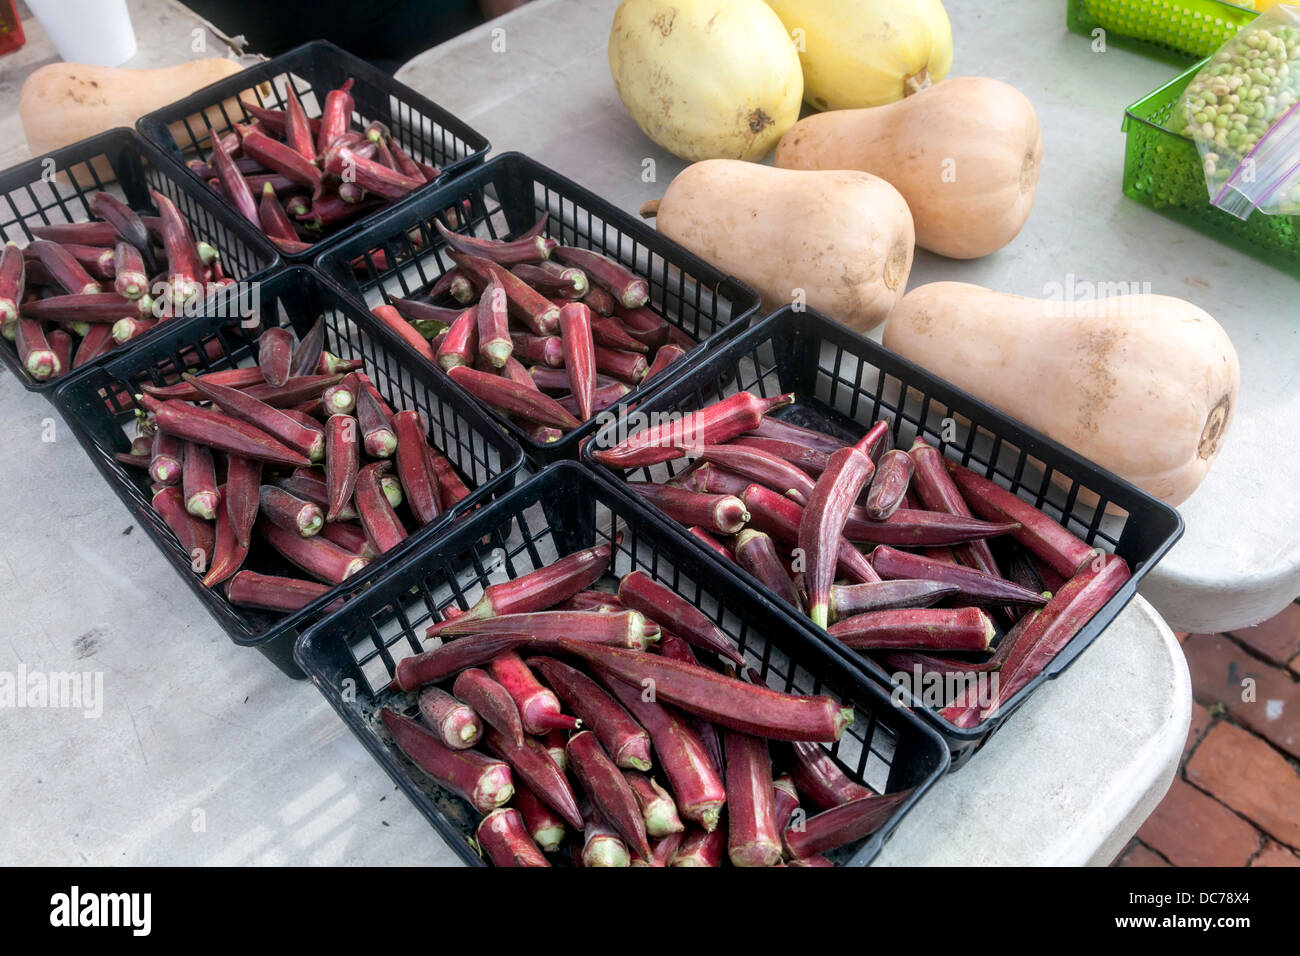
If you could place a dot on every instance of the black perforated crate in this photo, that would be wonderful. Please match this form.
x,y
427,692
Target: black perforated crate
x,y
55,188
401,255
843,382
352,655
424,129
98,406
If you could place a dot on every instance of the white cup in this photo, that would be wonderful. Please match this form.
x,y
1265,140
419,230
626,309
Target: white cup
x,y
97,32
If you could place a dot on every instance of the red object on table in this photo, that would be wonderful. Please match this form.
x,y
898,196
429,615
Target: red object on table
x,y
11,28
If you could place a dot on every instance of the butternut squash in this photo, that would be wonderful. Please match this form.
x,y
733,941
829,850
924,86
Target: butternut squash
x,y
61,103
858,53
965,154
840,241
1144,385
706,79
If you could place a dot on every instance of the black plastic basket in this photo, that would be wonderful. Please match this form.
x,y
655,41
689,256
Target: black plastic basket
x,y
401,255
352,655
55,188
425,130
842,383
98,405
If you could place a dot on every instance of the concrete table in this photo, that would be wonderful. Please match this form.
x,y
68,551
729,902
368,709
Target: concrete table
x,y
197,751
541,85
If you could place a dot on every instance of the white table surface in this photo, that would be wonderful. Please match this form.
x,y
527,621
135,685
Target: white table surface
x,y
549,94
204,753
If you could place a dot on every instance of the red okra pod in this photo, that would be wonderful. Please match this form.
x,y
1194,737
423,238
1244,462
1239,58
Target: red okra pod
x,y
560,281
819,778
610,333
640,592
579,356
758,465
276,121
418,482
783,431
850,599
713,544
308,484
63,267
336,115
543,628
456,284
601,844
756,553
543,824
842,824
701,848
227,553
644,326
604,397
490,701
272,593
481,781
96,342
557,379
166,458
656,805
350,536
195,535
554,744
538,772
243,484
447,659
599,301
34,350
130,281
383,527
494,345
372,176
538,707
780,517
607,790
725,514
187,390
889,486
629,289
83,307
711,425
287,511
128,328
390,317
616,729
538,314
272,217
341,462
691,773
408,165
279,157
503,836
630,367
309,351
461,344
199,481
976,586
455,724
805,458
664,357
297,130
545,350
451,489
533,248
317,556
415,311
301,438
184,262
753,838
785,801
917,629
233,183
86,233
297,390
543,588
275,355
822,525
733,703
13,275
124,220
1047,540
914,528
61,344
376,430
512,397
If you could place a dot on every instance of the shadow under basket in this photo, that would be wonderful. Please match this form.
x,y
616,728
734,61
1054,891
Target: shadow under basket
x,y
402,255
99,408
429,133
351,656
56,188
842,383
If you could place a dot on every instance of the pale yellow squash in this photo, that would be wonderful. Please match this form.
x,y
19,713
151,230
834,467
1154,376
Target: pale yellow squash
x,y
965,154
1143,385
858,53
706,79
840,241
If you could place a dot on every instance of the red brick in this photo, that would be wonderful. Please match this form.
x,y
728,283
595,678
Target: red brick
x,y
1138,855
1192,829
1243,771
1219,667
1201,720
1181,635
1278,638
1275,854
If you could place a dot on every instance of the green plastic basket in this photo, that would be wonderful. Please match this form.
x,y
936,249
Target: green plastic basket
x,y
1162,169
1177,30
